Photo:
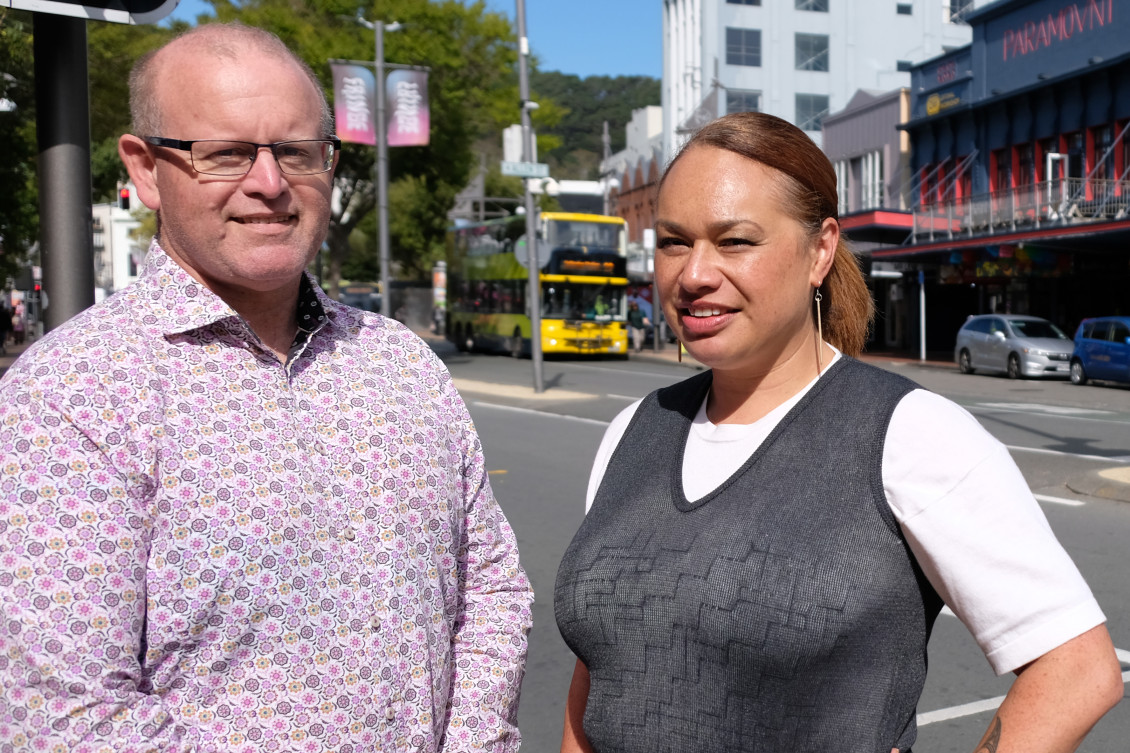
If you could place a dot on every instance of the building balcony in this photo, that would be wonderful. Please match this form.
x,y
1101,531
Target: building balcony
x,y
1068,202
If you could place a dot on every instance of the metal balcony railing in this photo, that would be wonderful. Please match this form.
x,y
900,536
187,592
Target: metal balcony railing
x,y
1066,201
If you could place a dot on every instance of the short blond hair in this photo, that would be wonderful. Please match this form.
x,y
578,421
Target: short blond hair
x,y
227,41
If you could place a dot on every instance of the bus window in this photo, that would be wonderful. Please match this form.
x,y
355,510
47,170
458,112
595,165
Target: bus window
x,y
599,303
578,234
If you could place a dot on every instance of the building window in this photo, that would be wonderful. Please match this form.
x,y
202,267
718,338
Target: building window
x,y
742,101
843,186
744,2
904,9
812,52
1002,170
743,47
810,111
871,181
1104,155
820,6
904,66
957,10
1025,165
1075,148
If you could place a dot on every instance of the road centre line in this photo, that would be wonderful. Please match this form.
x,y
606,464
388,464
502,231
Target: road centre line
x,y
542,413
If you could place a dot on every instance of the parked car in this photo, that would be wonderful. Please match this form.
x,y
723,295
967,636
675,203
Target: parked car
x,y
1102,350
1019,346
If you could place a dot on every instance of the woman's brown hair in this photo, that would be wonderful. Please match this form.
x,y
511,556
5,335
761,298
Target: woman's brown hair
x,y
809,195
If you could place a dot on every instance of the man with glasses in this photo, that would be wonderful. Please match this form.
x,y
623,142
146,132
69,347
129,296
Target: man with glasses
x,y
236,515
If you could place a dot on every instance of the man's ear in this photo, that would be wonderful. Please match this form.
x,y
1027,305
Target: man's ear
x,y
142,169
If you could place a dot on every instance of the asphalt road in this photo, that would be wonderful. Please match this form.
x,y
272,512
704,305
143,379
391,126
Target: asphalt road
x,y
539,449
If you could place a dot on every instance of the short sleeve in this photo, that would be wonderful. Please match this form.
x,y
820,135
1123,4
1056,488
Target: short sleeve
x,y
979,534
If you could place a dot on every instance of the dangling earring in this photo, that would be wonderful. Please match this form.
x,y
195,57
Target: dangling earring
x,y
819,332
679,345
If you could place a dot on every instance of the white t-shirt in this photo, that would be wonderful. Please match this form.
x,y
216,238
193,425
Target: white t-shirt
x,y
966,511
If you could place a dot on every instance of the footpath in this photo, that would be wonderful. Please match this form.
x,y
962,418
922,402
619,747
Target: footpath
x,y
1112,483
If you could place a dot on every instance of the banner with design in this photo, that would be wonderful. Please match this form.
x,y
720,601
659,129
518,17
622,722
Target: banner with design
x,y
353,103
407,108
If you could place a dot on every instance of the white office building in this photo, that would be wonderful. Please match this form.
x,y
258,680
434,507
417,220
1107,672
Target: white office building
x,y
797,59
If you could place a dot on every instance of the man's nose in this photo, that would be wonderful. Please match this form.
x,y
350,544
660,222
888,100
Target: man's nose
x,y
265,176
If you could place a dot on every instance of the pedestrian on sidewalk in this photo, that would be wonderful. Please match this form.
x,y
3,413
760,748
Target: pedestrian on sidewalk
x,y
638,324
19,324
769,542
5,327
238,515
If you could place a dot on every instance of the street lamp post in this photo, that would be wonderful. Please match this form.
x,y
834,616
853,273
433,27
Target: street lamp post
x,y
534,277
380,166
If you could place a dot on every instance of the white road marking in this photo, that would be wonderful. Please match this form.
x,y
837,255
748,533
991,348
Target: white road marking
x,y
1052,410
541,413
1042,451
632,398
1060,500
953,712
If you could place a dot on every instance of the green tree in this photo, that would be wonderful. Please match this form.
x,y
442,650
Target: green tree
x,y
19,213
586,104
112,50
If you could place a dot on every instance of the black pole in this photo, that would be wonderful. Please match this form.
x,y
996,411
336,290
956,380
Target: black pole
x,y
63,129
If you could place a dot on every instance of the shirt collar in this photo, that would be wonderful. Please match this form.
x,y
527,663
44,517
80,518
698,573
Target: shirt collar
x,y
179,303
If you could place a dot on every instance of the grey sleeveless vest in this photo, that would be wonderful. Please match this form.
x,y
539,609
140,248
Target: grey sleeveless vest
x,y
783,612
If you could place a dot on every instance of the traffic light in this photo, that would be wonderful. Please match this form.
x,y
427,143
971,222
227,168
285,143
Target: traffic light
x,y
123,198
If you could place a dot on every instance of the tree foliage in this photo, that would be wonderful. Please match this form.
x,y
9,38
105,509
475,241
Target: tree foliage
x,y
19,215
473,94
586,103
111,51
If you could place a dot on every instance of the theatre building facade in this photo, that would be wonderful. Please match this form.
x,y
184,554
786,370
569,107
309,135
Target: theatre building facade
x,y
1018,195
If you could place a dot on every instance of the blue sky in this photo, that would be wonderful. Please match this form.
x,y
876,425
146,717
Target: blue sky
x,y
583,37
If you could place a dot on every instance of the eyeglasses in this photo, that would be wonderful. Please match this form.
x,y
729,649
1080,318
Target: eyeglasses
x,y
216,157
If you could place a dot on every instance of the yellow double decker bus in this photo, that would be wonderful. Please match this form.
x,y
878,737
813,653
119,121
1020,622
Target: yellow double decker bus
x,y
582,268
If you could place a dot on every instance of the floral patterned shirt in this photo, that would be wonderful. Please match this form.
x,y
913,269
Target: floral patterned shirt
x,y
204,549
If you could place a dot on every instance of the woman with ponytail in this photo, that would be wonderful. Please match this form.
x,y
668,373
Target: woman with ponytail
x,y
769,542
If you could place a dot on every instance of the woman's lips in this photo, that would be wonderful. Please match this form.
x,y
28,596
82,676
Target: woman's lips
x,y
704,320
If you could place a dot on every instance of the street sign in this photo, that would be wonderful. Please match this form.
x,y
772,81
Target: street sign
x,y
525,169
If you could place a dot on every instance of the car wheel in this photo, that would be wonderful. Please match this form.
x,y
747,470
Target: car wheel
x,y
1014,366
1078,373
516,344
965,363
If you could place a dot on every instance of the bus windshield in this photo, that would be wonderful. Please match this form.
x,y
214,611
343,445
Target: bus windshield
x,y
601,303
581,234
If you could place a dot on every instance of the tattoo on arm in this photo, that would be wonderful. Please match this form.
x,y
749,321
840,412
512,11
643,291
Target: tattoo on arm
x,y
992,738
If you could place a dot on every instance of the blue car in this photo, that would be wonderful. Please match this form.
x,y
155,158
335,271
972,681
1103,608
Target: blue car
x,y
1102,350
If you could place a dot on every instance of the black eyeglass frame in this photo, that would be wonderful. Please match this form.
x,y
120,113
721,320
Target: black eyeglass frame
x,y
186,146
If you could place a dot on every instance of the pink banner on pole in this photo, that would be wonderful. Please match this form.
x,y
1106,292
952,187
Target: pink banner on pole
x,y
408,118
353,103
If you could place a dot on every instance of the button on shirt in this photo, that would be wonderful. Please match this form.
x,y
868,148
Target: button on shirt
x,y
202,548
